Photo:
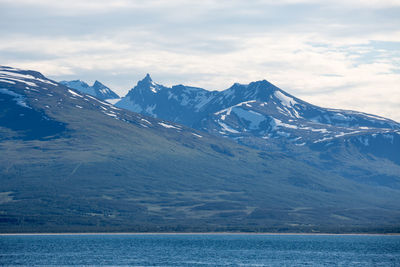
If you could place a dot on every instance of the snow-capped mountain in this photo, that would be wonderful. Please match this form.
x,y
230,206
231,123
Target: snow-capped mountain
x,y
98,89
73,162
179,103
31,100
258,114
263,110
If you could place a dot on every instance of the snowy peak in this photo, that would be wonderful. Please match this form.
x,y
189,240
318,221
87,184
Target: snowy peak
x,y
257,90
29,78
147,80
98,89
179,103
143,98
80,86
262,110
238,93
147,85
103,92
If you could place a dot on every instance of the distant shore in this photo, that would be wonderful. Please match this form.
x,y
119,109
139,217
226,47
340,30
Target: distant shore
x,y
203,233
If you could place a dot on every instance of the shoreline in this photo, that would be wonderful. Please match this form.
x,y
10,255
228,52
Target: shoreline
x,y
201,233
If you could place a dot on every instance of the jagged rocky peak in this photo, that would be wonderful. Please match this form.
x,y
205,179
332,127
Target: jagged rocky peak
x,y
147,77
147,80
147,84
98,84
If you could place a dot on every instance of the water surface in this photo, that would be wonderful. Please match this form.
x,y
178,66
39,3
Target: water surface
x,y
200,250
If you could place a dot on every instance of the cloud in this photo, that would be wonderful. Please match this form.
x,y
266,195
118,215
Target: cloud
x,y
69,7
339,54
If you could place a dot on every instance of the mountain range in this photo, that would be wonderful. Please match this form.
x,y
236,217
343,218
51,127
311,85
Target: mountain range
x,y
250,158
98,89
261,115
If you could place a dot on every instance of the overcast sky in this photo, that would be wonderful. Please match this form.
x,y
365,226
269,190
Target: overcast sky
x,y
338,54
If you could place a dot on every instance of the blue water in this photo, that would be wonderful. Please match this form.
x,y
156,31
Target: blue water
x,y
199,250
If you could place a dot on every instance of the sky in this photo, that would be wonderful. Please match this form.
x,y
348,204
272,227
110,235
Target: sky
x,y
333,53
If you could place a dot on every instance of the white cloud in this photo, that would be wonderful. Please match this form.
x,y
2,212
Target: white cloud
x,y
325,58
74,5
60,46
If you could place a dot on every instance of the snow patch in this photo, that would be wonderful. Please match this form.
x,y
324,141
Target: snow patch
x,y
278,123
319,130
102,102
229,110
145,121
165,125
46,81
253,117
197,135
110,114
6,81
302,144
226,128
341,117
322,140
19,80
15,75
20,99
285,100
74,93
349,133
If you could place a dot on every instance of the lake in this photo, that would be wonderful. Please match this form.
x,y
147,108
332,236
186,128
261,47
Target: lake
x,y
199,250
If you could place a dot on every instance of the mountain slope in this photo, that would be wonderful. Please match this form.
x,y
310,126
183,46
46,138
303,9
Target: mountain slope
x,y
273,108
98,89
100,168
267,115
263,116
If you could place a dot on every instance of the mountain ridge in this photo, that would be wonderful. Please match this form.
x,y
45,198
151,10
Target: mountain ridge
x,y
98,89
259,114
108,169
